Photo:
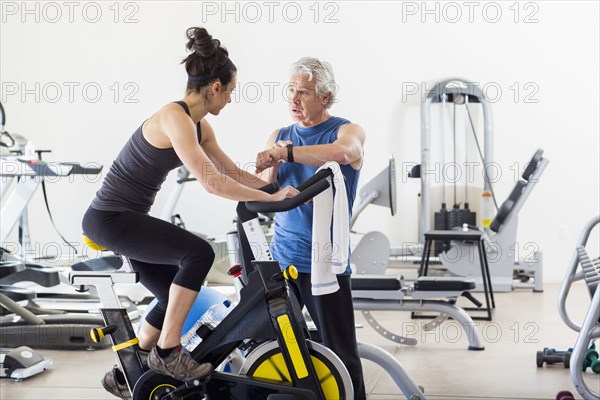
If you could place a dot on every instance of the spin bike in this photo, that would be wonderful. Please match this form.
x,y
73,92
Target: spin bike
x,y
267,324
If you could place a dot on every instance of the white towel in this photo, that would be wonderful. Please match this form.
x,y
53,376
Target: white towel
x,y
330,249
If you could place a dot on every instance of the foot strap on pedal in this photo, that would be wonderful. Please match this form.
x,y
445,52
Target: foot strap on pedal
x,y
124,345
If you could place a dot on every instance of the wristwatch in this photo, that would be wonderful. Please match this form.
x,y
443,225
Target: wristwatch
x,y
290,151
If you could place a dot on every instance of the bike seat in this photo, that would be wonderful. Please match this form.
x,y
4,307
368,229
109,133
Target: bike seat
x,y
87,272
91,244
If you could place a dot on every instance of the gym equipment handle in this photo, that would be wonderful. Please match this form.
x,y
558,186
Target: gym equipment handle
x,y
2,118
308,189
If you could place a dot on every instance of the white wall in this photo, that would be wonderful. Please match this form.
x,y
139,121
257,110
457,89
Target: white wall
x,y
379,50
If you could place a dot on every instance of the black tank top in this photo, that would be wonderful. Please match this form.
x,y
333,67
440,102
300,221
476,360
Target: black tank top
x,y
137,174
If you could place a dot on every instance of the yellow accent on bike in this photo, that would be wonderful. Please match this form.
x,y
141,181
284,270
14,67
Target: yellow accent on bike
x,y
328,382
96,334
290,273
126,344
159,386
292,345
274,368
90,243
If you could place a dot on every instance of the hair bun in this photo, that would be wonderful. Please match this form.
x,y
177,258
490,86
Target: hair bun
x,y
201,42
206,56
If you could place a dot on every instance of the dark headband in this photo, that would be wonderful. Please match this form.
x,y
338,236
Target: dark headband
x,y
210,77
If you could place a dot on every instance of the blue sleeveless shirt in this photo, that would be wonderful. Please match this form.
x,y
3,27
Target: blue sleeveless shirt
x,y
292,242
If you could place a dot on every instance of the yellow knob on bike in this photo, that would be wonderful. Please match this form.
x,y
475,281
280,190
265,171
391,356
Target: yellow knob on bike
x,y
97,334
290,273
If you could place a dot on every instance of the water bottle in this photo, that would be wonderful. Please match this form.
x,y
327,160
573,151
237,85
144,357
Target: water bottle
x,y
487,211
211,318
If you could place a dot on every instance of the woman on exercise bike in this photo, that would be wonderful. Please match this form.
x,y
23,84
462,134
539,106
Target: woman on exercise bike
x,y
172,263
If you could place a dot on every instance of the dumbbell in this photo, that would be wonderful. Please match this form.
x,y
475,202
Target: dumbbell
x,y
565,395
567,358
591,360
551,356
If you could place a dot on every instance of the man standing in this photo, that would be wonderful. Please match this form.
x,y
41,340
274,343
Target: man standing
x,y
293,154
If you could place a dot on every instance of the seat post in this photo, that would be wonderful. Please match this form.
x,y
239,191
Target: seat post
x,y
104,283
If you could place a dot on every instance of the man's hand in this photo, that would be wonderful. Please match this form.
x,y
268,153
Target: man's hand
x,y
271,157
282,143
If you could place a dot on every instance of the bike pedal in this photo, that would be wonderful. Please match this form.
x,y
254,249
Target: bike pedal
x,y
245,346
196,386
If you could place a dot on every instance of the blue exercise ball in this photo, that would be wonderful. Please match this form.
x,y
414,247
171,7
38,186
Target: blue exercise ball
x,y
206,298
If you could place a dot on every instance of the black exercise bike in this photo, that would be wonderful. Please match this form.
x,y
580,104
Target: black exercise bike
x,y
281,363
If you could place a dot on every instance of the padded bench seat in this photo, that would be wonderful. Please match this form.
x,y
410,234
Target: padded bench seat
x,y
424,283
444,284
376,283
434,294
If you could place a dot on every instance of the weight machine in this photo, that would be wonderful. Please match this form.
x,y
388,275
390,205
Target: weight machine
x,y
374,252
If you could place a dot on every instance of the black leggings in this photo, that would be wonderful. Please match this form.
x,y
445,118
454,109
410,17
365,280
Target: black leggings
x,y
334,316
159,251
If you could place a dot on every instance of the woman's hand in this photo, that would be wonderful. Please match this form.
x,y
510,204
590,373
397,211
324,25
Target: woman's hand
x,y
286,193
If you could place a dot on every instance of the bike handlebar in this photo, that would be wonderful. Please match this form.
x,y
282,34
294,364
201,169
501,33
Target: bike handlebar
x,y
308,189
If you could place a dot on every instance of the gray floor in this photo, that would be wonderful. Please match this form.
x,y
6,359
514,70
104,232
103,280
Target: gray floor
x,y
524,322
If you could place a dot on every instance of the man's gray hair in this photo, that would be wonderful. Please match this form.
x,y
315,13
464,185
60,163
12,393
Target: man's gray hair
x,y
323,74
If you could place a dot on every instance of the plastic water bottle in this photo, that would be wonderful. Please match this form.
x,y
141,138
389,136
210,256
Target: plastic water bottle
x,y
487,211
211,318
215,314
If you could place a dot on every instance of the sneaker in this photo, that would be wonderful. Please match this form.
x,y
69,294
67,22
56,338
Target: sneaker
x,y
178,365
144,357
112,385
